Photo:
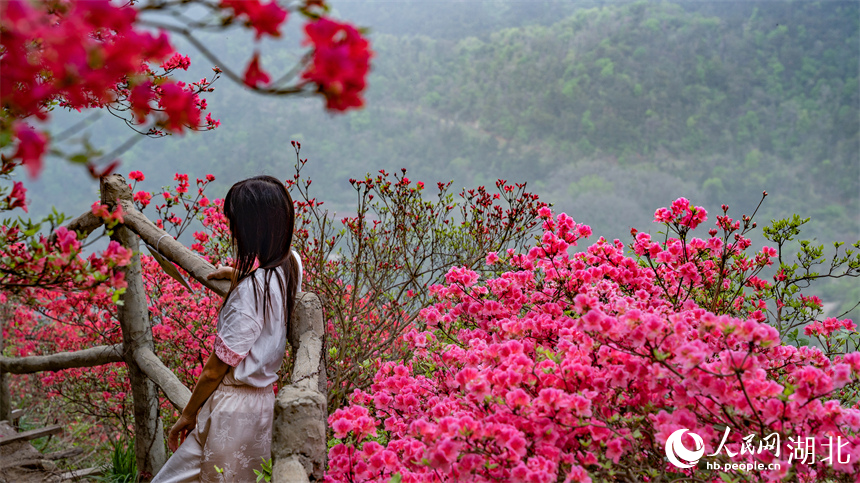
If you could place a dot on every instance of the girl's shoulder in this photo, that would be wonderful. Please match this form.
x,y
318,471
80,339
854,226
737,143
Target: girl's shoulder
x,y
246,288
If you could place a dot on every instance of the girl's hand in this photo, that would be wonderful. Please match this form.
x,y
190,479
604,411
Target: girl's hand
x,y
183,427
221,272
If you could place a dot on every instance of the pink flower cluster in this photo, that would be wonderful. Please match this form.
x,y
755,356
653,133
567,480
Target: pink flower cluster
x,y
341,62
266,18
17,198
577,368
715,271
682,213
83,54
103,212
31,147
829,326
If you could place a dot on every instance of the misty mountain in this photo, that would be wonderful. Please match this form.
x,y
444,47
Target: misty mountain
x,y
608,110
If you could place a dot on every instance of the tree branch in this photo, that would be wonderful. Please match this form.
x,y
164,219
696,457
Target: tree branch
x,y
84,224
163,242
163,377
95,356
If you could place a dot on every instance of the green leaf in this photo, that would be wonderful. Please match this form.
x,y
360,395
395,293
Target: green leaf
x,y
5,138
79,158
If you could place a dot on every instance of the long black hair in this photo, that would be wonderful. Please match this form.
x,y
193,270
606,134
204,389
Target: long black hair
x,y
261,216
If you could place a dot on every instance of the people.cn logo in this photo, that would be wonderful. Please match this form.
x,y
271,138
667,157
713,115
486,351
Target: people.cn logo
x,y
678,453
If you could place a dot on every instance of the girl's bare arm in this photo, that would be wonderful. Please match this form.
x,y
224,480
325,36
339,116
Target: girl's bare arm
x,y
213,372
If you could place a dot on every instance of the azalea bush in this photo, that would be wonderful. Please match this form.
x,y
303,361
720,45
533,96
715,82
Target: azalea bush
x,y
413,245
527,362
718,273
577,367
29,259
372,268
71,316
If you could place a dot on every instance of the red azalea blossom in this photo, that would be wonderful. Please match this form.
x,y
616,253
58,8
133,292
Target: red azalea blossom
x,y
340,63
100,210
67,240
180,106
212,123
254,75
31,148
178,61
17,198
143,198
139,99
266,19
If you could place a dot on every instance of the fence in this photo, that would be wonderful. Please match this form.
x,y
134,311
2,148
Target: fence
x,y
299,431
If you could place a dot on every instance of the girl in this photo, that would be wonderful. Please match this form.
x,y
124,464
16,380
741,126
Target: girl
x,y
226,428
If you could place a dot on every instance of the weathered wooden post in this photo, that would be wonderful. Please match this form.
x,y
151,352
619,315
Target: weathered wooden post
x,y
299,430
5,397
136,327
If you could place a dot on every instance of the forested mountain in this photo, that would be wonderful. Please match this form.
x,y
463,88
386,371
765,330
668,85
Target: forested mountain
x,y
732,106
609,110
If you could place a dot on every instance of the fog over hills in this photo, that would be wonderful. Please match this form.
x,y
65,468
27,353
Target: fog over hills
x,y
609,110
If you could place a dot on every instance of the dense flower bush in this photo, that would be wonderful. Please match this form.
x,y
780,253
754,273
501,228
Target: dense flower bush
x,y
60,318
558,366
719,274
577,368
30,260
183,330
373,269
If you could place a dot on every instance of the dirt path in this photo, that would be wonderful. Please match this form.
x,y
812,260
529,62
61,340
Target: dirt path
x,y
34,469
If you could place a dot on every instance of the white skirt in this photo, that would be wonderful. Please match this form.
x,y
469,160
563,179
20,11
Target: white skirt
x,y
232,436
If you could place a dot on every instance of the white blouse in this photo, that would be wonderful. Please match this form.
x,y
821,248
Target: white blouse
x,y
254,349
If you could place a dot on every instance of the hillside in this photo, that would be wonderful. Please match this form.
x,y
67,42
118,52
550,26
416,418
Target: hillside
x,y
732,107
608,112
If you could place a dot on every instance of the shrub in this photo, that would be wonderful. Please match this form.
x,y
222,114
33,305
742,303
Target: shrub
x,y
580,367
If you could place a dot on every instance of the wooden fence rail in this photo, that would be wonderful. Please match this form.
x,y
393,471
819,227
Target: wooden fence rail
x,y
96,356
299,432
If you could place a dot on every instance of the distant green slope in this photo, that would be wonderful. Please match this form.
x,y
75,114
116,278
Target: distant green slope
x,y
609,112
649,80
